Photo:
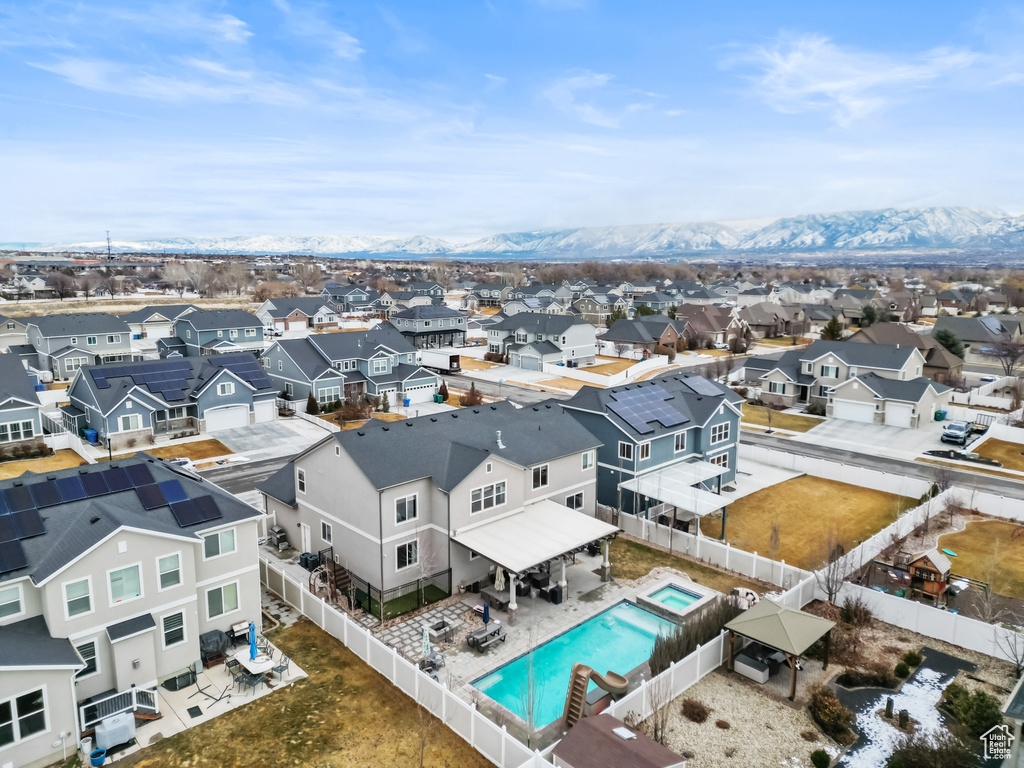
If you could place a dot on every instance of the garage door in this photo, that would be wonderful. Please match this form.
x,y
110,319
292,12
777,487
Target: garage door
x,y
421,394
265,410
297,325
898,415
158,331
853,411
230,417
529,363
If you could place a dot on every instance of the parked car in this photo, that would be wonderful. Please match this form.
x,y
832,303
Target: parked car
x,y
987,379
184,463
275,331
721,345
958,432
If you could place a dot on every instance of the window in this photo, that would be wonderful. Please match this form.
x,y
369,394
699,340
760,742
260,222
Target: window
x,y
22,717
74,363
830,371
300,480
426,323
88,653
220,334
645,451
10,601
129,423
588,459
114,338
487,497
407,555
233,333
807,367
221,600
169,569
520,337
721,460
250,331
330,394
280,365
380,366
405,509
488,467
289,388
575,501
226,388
91,340
174,629
540,476
777,387
626,451
326,532
680,441
220,543
16,430
188,333
719,433
177,413
74,339
125,584
77,598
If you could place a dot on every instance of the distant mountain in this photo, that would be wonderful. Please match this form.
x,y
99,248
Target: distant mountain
x,y
886,229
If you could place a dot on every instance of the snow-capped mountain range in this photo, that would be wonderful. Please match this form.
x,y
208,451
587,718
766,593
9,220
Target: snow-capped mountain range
x,y
886,229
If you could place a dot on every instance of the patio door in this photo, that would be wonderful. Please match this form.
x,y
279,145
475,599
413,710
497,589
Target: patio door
x,y
305,538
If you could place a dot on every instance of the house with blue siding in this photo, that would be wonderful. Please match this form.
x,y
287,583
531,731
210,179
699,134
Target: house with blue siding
x,y
668,444
65,343
20,428
215,331
351,298
12,331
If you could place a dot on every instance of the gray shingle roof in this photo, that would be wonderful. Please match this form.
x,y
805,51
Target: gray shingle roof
x,y
893,389
78,324
14,380
28,643
130,627
538,323
169,311
884,356
428,312
307,305
281,485
361,345
220,319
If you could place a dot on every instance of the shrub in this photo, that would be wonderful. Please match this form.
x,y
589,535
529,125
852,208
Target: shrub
x,y
669,352
695,711
946,750
385,404
902,670
473,397
723,724
130,442
494,357
874,676
820,758
912,659
977,711
443,391
741,391
698,630
855,612
833,718
312,406
815,409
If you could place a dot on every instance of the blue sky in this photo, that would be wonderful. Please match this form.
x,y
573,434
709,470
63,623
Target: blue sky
x,y
461,119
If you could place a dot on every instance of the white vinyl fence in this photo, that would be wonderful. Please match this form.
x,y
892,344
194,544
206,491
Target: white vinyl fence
x,y
984,394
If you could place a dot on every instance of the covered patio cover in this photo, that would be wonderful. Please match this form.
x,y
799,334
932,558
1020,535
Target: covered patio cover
x,y
541,532
675,485
789,630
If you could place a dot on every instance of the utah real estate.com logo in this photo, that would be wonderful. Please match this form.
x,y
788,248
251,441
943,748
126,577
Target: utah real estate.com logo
x,y
997,742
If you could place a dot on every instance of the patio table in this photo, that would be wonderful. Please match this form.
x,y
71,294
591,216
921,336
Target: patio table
x,y
258,666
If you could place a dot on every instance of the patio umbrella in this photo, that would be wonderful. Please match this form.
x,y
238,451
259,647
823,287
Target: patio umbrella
x,y
252,640
426,643
487,613
499,578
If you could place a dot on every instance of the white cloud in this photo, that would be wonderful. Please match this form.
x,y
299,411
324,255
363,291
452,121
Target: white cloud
x,y
564,95
495,81
231,28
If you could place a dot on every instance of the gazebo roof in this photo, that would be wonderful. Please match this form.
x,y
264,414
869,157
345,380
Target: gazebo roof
x,y
778,626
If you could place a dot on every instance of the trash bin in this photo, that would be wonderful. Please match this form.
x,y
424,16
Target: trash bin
x,y
405,402
940,415
438,398
86,745
90,435
555,595
97,757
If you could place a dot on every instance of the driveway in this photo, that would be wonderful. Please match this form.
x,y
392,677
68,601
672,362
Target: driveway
x,y
876,440
264,441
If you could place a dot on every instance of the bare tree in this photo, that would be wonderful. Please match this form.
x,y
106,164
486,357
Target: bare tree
x,y
62,285
832,570
235,277
307,275
659,694
1010,641
112,284
87,284
1009,353
529,690
443,273
201,277
621,348
988,606
773,539
176,276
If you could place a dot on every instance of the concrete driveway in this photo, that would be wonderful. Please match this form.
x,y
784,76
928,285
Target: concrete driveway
x,y
278,438
876,440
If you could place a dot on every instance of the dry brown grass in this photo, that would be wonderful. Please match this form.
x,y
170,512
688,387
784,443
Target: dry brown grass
x,y
124,305
573,385
985,551
632,560
967,466
613,366
755,414
490,310
472,364
1006,453
655,373
200,449
360,423
344,715
61,460
806,508
55,385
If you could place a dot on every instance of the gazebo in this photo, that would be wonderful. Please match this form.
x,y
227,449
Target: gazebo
x,y
786,629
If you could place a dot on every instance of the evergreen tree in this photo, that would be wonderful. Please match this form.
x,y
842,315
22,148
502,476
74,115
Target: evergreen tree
x,y
833,331
312,406
385,404
869,316
617,314
949,340
443,391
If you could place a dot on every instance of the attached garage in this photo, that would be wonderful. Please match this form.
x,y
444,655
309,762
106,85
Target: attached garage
x,y
898,414
529,363
297,325
420,394
851,410
156,330
228,417
265,410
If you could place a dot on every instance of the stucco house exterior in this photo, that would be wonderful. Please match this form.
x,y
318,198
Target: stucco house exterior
x,y
297,314
156,322
431,326
939,363
875,399
646,332
65,343
530,340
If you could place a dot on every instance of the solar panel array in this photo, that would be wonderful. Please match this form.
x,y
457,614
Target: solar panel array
x,y
168,378
20,517
639,407
702,386
248,369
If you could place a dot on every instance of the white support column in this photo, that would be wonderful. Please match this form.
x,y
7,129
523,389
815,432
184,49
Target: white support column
x,y
606,569
563,582
513,607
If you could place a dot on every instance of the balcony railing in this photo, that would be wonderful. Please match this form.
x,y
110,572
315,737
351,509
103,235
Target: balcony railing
x,y
143,700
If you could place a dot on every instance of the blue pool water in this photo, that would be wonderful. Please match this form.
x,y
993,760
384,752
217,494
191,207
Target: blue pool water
x,y
675,597
618,639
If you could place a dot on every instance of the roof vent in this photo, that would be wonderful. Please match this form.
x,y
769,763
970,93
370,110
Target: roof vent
x,y
501,445
433,419
624,733
94,520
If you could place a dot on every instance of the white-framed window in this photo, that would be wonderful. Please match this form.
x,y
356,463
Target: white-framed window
x,y
520,337
188,334
575,501
15,430
807,367
78,597
130,422
22,716
125,584
679,442
823,390
222,600
405,509
91,341
114,338
721,460
280,365
645,451
177,413
173,629
289,388
74,363
426,323
266,362
540,476
226,388
220,334
74,339
407,555
233,333
719,433
588,460
10,601
326,532
380,366
88,653
830,371
487,497
777,387
300,480
488,467
626,451
329,394
250,331
169,571
219,543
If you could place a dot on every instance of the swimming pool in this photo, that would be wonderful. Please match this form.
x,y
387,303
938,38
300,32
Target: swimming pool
x,y
618,639
675,597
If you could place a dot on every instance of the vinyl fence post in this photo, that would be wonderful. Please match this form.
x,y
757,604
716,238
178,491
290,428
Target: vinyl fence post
x,y
728,547
753,567
394,664
504,737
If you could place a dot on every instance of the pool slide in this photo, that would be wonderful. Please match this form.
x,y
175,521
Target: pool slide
x,y
576,698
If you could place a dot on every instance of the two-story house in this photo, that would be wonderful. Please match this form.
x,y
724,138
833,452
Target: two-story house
x,y
12,332
426,288
136,403
486,295
646,332
156,322
530,340
346,366
443,500
351,298
214,331
669,440
109,575
981,336
710,324
65,343
20,427
395,301
940,364
596,308
432,326
312,312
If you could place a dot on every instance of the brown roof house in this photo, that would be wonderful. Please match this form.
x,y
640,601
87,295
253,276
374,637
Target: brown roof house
x,y
604,742
929,574
939,363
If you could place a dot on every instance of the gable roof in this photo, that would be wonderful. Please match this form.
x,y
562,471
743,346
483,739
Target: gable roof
x,y
534,322
169,311
642,330
28,643
938,559
894,389
307,305
883,356
973,329
361,345
220,319
15,381
427,312
78,324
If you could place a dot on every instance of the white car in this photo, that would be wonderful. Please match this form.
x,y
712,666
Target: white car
x,y
721,345
184,463
273,332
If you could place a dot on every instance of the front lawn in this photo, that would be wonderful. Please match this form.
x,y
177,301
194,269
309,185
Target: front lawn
x,y
758,416
1006,453
196,450
806,507
63,459
632,560
985,551
344,714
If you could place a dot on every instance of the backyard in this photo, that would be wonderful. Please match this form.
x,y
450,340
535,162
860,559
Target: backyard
x,y
607,366
632,560
64,459
344,714
1006,453
758,415
806,509
985,551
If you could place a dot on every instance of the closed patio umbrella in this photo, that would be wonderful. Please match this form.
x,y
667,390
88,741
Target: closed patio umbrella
x,y
252,640
499,578
426,643
487,613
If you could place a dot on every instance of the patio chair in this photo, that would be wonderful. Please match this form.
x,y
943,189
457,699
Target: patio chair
x,y
237,672
282,667
252,680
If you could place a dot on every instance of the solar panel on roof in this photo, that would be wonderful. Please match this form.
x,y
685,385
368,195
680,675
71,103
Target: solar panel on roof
x,y
116,479
94,484
702,386
28,523
12,556
139,474
639,407
18,498
186,513
173,491
208,508
151,496
45,493
8,531
3,505
71,488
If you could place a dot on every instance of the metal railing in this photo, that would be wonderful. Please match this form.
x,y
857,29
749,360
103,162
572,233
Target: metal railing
x,y
132,700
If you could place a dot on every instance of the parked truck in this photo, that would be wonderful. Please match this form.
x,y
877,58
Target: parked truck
x,y
441,361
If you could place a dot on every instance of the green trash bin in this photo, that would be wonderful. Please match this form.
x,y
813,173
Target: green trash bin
x,y
438,398
940,415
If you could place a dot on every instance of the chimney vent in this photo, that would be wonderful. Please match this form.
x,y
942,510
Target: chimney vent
x,y
500,444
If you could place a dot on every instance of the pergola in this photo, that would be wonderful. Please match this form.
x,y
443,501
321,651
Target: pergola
x,y
786,629
677,485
